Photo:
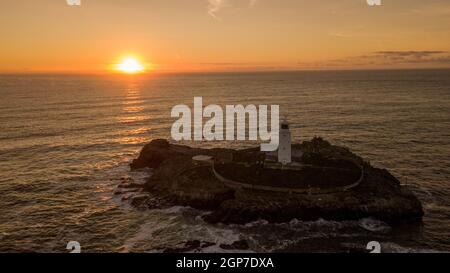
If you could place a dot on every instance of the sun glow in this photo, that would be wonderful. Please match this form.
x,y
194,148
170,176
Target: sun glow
x,y
130,65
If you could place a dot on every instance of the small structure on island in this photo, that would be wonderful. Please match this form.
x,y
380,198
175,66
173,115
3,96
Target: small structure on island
x,y
202,158
285,142
284,153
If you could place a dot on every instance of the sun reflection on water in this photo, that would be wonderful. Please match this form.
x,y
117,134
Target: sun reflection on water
x,y
132,113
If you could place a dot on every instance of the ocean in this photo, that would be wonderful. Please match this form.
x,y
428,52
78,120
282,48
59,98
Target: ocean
x,y
66,142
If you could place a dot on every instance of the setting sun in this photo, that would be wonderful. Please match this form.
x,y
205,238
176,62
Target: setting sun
x,y
130,65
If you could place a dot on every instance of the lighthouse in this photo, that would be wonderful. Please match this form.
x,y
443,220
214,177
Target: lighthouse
x,y
284,148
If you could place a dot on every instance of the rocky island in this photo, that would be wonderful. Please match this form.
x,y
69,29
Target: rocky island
x,y
241,186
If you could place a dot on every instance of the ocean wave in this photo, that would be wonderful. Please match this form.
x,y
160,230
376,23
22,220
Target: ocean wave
x,y
374,225
390,247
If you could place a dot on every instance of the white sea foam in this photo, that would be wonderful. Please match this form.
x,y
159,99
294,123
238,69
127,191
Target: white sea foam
x,y
257,223
395,248
173,229
374,225
174,209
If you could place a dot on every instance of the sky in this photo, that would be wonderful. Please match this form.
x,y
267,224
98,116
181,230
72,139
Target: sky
x,y
223,35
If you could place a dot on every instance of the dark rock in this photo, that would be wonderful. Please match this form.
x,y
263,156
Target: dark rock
x,y
130,186
138,200
188,246
182,185
238,245
179,180
207,244
193,244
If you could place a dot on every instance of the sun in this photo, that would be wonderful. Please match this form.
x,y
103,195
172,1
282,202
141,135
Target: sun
x,y
130,65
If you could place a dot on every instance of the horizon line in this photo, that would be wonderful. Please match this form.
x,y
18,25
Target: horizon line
x,y
105,73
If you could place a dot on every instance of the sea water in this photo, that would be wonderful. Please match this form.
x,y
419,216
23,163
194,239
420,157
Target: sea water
x,y
66,142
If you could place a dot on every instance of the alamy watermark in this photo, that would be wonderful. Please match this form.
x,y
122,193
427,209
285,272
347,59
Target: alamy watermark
x,y
73,2
74,247
374,3
372,247
78,2
190,125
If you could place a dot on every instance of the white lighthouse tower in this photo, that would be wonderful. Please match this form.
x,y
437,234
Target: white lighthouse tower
x,y
284,148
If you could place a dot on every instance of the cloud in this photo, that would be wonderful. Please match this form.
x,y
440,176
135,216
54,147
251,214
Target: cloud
x,y
340,35
418,54
214,6
399,57
253,2
388,58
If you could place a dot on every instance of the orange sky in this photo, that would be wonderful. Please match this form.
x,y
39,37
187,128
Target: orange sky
x,y
223,35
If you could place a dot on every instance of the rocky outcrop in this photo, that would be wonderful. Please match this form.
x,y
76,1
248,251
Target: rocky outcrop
x,y
238,245
180,180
